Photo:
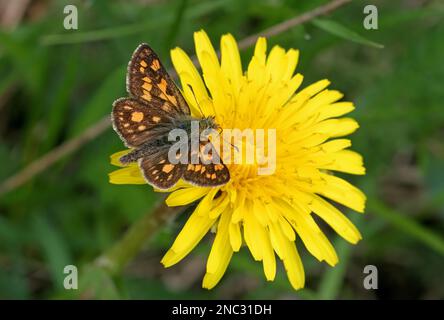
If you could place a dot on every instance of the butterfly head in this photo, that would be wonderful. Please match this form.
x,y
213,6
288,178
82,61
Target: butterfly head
x,y
208,123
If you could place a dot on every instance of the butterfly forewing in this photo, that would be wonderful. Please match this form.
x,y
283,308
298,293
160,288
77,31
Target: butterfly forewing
x,y
134,119
148,78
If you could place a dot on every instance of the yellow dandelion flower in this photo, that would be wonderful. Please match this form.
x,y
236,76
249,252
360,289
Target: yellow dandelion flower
x,y
265,212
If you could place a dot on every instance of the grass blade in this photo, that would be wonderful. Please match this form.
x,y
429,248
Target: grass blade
x,y
341,31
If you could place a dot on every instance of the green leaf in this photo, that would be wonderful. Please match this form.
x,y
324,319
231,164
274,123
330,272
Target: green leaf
x,y
343,32
408,225
54,248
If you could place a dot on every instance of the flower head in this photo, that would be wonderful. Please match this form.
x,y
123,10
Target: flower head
x,y
269,213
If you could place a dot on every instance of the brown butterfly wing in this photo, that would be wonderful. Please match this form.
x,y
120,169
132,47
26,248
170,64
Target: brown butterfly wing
x,y
134,120
147,78
159,172
205,173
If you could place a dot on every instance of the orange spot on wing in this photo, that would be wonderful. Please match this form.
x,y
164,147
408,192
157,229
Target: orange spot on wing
x,y
163,85
155,65
166,107
155,119
167,168
136,116
172,99
147,86
147,96
143,63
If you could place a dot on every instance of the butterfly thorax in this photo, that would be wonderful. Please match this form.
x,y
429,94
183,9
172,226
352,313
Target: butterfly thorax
x,y
185,123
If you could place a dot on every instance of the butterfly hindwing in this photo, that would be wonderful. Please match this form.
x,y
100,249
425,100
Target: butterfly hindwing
x,y
148,78
134,120
206,173
159,172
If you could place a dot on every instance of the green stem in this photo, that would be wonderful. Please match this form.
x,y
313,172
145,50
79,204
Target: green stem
x,y
121,253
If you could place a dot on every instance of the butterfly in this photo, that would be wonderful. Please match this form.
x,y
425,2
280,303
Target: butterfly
x,y
143,121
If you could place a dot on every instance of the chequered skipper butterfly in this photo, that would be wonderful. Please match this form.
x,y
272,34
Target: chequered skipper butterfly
x,y
143,121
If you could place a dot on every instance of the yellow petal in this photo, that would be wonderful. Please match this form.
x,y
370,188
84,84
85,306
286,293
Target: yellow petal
x,y
345,161
286,250
256,68
260,49
220,254
192,84
219,206
268,258
336,145
277,63
231,61
127,175
341,191
343,226
193,231
185,196
312,236
335,110
250,233
203,45
293,265
114,158
204,206
337,127
292,62
313,89
235,236
287,229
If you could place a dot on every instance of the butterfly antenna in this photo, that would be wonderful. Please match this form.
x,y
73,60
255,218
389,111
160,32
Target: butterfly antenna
x,y
203,114
229,142
197,102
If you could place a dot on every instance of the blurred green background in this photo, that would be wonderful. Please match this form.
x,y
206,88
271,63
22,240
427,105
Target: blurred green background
x,y
55,83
